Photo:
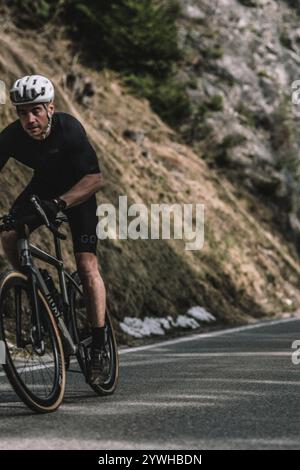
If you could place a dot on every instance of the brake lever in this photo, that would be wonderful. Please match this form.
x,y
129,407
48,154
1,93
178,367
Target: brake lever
x,y
36,202
40,210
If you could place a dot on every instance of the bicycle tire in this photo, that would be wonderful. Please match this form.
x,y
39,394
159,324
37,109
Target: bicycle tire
x,y
32,395
110,385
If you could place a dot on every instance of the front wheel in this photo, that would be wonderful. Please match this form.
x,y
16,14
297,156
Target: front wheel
x,y
36,373
83,334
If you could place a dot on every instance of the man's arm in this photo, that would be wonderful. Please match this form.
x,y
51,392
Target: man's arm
x,y
7,140
83,190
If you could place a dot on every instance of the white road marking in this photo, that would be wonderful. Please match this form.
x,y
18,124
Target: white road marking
x,y
204,336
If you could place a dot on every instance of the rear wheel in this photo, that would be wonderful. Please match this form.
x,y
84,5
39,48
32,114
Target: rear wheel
x,y
35,370
83,334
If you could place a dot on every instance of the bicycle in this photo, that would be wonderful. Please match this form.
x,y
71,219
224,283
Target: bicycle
x,y
42,326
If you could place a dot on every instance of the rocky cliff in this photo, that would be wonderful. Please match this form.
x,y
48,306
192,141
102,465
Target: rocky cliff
x,y
241,60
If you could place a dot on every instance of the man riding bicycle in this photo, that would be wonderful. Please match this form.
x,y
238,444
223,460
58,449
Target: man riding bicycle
x,y
66,177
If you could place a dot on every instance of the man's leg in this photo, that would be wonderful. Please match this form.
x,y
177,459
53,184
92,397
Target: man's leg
x,y
83,222
95,299
93,287
9,239
22,207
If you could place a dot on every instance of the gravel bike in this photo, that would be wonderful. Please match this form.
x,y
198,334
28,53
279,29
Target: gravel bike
x,y
43,326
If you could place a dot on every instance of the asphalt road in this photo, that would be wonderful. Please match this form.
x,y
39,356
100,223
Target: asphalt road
x,y
232,389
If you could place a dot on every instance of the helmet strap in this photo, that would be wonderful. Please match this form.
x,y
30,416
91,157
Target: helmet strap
x,y
48,128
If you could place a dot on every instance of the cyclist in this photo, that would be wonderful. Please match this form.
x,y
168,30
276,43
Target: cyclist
x,y
66,177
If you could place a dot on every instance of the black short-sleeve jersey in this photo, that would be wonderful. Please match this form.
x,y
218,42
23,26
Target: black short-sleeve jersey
x,y
59,161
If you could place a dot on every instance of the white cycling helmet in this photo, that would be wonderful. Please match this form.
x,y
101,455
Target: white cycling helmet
x,y
32,89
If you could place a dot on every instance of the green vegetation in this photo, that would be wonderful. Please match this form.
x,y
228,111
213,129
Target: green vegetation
x,y
263,73
294,4
214,103
249,3
197,128
221,153
285,39
248,117
168,97
35,13
232,140
283,134
214,52
137,39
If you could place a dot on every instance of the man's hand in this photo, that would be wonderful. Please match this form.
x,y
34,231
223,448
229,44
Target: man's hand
x,y
27,213
19,212
24,214
9,222
51,209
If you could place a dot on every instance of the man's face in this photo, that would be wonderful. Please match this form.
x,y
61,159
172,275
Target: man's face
x,y
34,119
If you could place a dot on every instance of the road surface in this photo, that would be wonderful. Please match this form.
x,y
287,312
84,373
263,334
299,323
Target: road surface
x,y
231,389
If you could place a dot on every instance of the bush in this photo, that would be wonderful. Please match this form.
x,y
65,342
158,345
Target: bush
x,y
139,37
214,52
132,35
294,4
216,103
136,38
168,98
34,13
249,3
283,138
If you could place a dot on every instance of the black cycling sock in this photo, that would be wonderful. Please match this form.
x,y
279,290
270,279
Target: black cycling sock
x,y
98,337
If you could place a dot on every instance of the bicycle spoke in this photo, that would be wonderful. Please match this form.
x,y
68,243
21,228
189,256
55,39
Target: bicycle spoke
x,y
33,369
42,372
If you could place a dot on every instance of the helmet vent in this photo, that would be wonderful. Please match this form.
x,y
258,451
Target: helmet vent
x,y
32,89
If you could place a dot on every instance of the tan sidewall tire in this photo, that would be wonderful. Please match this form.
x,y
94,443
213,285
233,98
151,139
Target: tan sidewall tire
x,y
98,388
10,371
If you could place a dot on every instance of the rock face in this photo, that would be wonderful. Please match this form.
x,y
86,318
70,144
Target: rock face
x,y
242,59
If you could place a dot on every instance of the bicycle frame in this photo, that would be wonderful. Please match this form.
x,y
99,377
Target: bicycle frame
x,y
26,252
